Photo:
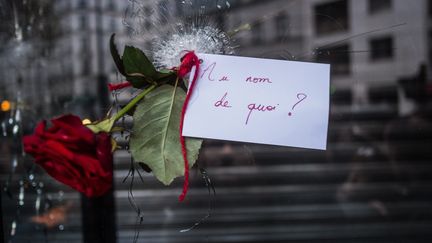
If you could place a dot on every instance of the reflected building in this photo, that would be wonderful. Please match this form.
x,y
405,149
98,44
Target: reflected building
x,y
370,44
271,29
84,47
89,25
71,72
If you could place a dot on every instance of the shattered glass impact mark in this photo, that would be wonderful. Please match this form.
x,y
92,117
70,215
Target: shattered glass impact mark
x,y
206,39
165,32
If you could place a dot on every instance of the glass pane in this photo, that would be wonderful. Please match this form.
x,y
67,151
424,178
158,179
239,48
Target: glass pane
x,y
371,184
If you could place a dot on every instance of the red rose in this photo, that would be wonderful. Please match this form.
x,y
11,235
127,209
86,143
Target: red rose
x,y
73,154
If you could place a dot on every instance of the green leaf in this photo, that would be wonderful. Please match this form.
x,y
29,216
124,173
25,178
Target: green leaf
x,y
155,139
115,55
138,68
139,82
163,75
137,64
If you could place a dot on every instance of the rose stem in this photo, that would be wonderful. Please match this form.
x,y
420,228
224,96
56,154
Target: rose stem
x,y
133,102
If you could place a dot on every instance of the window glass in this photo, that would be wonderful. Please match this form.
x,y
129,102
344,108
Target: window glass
x,y
82,4
331,17
83,22
372,184
163,11
381,48
111,5
257,34
338,56
379,5
281,25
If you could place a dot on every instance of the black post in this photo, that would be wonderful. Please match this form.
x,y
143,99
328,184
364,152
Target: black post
x,y
98,219
102,45
1,219
98,214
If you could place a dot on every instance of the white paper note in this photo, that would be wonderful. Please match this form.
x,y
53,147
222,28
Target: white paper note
x,y
260,101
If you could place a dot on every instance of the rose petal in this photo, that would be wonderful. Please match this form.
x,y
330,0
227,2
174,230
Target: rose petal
x,y
72,154
65,175
40,128
103,151
71,126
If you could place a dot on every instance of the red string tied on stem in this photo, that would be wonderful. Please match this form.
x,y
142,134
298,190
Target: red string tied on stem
x,y
113,87
189,60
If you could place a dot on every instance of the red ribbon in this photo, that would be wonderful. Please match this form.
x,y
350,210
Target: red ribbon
x,y
189,61
113,87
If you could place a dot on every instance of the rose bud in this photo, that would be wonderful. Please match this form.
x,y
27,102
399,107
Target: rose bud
x,y
72,154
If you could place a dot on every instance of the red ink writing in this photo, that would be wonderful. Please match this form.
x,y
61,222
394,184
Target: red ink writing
x,y
258,80
301,97
209,72
222,102
209,69
254,107
224,78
